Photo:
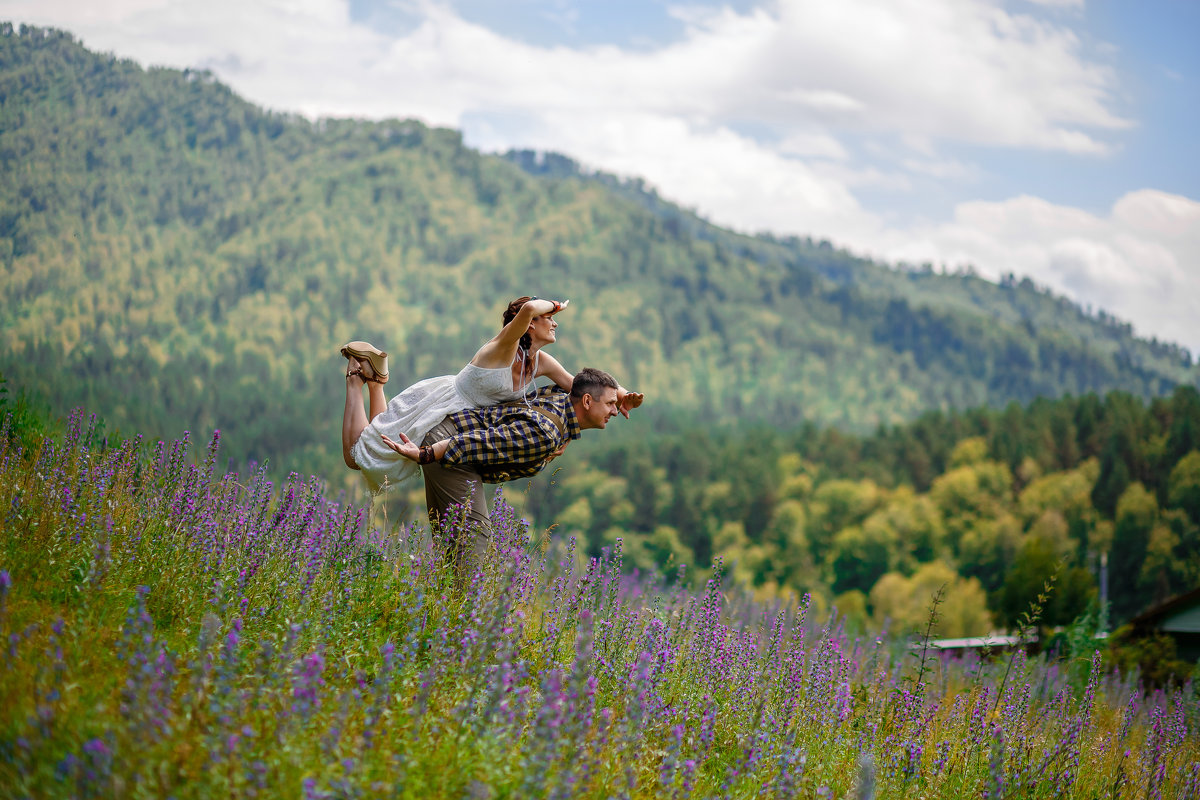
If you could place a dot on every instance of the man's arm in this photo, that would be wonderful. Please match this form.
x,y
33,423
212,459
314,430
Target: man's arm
x,y
549,366
518,442
521,441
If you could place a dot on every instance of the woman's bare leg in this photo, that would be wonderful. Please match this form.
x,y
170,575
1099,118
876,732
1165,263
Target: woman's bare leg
x,y
378,400
354,418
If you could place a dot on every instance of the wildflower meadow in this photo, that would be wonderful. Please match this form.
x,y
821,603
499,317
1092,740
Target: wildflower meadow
x,y
170,631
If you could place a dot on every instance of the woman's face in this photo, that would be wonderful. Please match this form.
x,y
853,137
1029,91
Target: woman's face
x,y
541,330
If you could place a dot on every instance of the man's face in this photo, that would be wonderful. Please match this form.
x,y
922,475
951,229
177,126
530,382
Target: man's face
x,y
595,412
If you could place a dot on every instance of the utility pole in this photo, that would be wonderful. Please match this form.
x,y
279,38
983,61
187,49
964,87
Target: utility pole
x,y
1103,622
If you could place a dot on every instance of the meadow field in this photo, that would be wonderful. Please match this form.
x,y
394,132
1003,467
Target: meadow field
x,y
171,631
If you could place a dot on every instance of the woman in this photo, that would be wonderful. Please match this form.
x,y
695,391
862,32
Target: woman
x,y
504,369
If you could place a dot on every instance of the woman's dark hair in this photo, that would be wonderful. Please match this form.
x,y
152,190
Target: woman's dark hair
x,y
511,312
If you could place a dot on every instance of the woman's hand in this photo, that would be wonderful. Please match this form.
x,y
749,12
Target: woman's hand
x,y
555,306
627,401
405,447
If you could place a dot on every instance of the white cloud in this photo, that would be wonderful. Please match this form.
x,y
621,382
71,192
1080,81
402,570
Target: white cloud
x,y
1140,262
1058,3
708,168
808,71
962,70
821,101
812,145
943,169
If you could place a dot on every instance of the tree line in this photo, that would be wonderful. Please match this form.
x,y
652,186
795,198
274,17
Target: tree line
x,y
991,502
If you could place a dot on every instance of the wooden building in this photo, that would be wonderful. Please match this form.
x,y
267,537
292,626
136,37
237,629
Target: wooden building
x,y
1178,618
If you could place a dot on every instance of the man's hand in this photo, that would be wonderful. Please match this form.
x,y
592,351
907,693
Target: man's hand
x,y
627,401
557,452
405,447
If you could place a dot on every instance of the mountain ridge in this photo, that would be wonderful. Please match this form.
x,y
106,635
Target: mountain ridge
x,y
843,273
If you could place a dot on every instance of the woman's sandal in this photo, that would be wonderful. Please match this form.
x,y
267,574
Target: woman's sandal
x,y
376,358
368,373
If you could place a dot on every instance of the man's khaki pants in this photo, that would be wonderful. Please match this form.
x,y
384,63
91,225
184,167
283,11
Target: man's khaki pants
x,y
457,494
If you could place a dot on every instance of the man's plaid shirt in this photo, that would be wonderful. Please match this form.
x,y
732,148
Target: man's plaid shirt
x,y
511,441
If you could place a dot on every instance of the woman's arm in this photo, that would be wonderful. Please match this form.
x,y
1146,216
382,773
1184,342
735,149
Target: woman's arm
x,y
548,366
501,348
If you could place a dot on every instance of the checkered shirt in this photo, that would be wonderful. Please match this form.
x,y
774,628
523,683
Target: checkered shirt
x,y
511,441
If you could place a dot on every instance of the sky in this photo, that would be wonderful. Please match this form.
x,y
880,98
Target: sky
x,y
1051,139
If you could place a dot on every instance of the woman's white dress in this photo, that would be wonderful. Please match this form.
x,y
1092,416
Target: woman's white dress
x,y
418,408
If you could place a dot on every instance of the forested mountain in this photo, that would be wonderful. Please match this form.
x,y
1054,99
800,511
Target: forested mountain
x,y
175,257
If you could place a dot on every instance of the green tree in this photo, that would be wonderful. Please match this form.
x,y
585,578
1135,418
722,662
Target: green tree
x,y
853,608
969,494
904,602
787,555
989,548
1038,560
1122,461
1172,563
1066,493
1136,516
860,555
968,452
1183,435
1183,486
835,505
918,526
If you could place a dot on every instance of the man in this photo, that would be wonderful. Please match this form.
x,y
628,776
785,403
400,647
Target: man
x,y
494,444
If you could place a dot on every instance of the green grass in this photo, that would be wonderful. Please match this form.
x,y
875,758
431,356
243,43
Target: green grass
x,y
174,632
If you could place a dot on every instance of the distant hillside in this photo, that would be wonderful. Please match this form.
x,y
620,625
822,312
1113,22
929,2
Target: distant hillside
x,y
175,257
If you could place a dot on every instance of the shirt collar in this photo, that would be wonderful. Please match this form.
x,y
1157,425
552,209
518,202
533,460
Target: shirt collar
x,y
573,430
555,396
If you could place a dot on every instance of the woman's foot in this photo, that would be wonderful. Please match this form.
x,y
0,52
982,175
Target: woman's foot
x,y
367,371
365,352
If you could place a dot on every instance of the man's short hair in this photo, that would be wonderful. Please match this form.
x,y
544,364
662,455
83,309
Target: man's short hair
x,y
591,381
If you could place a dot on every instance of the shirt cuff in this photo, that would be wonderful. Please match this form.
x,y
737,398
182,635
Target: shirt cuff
x,y
453,454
